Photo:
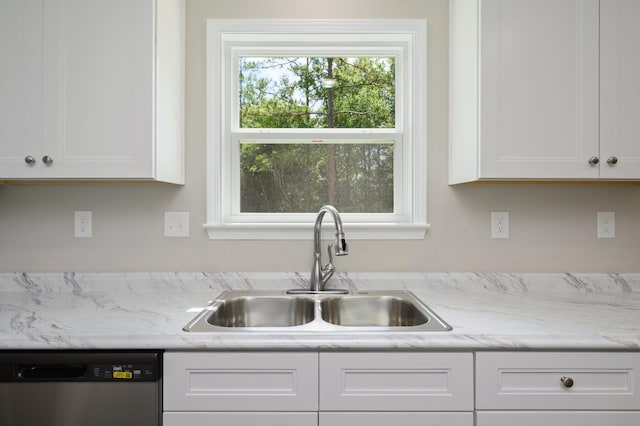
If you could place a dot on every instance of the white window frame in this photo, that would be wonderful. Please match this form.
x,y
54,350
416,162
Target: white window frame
x,y
228,39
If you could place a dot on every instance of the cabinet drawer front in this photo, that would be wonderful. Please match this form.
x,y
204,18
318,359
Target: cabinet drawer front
x,y
395,419
240,419
532,380
558,418
396,381
230,381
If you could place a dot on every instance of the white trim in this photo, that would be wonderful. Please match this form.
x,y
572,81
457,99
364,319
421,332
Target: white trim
x,y
407,36
304,231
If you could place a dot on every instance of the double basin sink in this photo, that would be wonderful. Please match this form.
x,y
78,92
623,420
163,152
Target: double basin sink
x,y
277,310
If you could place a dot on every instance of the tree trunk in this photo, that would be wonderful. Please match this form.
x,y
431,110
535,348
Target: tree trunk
x,y
331,149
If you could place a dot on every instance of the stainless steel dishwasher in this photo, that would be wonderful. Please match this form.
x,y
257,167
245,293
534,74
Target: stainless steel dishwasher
x,y
80,388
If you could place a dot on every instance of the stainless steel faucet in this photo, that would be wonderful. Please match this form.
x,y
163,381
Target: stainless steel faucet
x,y
319,274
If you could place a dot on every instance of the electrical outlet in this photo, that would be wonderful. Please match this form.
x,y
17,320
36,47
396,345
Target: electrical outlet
x,y
606,224
82,224
176,224
499,224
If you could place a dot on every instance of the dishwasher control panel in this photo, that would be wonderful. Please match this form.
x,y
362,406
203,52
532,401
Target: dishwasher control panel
x,y
123,372
79,366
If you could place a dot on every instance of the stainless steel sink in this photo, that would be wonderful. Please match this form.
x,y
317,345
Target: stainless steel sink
x,y
364,311
273,310
262,311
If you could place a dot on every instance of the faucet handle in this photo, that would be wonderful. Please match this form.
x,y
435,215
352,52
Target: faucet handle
x,y
329,269
329,247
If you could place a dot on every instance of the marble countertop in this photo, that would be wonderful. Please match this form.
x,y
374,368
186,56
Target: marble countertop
x,y
486,311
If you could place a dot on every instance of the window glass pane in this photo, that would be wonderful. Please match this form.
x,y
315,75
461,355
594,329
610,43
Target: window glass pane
x,y
302,177
317,92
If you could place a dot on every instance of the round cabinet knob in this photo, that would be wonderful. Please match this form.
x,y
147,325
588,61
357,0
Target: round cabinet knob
x,y
613,160
566,381
29,159
594,160
47,160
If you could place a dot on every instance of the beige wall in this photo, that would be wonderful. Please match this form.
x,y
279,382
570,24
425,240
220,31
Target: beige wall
x,y
553,227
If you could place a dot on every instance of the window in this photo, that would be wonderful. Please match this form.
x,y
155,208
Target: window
x,y
306,113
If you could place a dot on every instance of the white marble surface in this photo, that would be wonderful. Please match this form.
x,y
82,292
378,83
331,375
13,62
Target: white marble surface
x,y
487,311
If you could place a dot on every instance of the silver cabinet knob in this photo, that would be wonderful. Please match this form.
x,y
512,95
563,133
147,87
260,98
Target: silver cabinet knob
x,y
566,381
47,160
29,159
594,160
613,160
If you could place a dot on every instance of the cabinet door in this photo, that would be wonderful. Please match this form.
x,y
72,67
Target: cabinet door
x,y
240,381
240,419
20,87
538,380
392,381
396,419
98,88
539,89
558,418
620,89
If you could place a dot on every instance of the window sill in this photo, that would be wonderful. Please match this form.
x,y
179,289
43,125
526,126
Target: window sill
x,y
304,231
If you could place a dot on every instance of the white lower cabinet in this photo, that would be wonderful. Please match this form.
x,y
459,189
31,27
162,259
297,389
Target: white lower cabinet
x,y
557,388
304,388
392,381
395,419
239,419
558,418
240,381
401,388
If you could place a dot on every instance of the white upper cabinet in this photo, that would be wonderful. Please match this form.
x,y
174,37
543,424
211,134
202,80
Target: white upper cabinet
x,y
526,87
620,89
93,89
20,85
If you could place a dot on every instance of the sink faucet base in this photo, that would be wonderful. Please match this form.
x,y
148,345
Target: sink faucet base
x,y
325,291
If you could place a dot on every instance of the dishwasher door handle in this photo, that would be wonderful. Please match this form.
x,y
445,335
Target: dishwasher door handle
x,y
50,371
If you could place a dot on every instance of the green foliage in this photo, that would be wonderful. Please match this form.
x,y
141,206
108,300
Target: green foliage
x,y
301,177
364,93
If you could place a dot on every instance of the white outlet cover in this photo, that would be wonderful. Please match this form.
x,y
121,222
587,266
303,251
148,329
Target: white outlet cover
x,y
82,224
499,224
606,224
176,224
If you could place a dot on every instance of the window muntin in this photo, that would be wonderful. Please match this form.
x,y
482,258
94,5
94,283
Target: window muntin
x,y
229,41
